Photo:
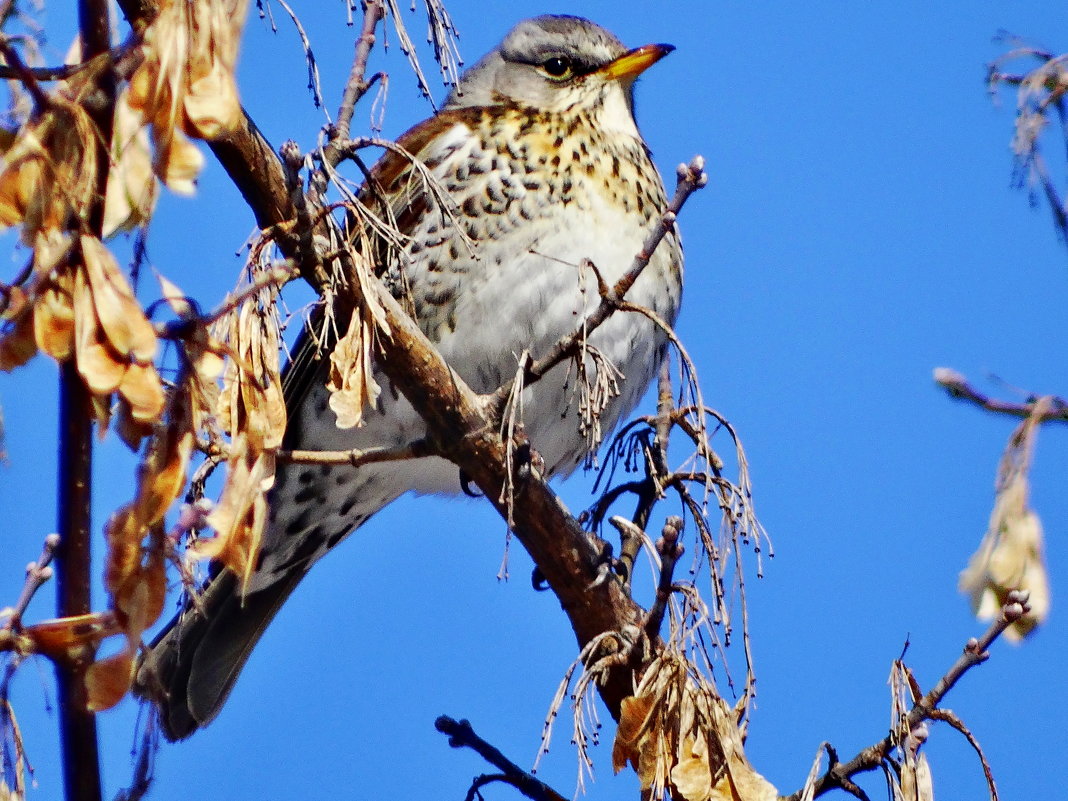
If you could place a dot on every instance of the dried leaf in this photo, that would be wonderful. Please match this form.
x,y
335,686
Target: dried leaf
x,y
163,474
175,297
100,409
48,177
178,163
53,322
124,532
634,714
351,384
142,390
251,402
132,189
130,431
241,514
121,318
19,182
108,680
916,782
100,369
1010,556
681,737
17,345
62,634
186,82
692,775
211,106
742,783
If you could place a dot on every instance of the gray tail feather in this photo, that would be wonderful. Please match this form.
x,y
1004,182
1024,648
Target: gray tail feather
x,y
190,668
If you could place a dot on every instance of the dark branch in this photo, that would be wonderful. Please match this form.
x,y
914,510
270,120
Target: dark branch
x,y
461,735
81,762
958,387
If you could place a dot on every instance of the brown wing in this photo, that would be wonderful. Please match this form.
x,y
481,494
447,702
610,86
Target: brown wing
x,y
391,186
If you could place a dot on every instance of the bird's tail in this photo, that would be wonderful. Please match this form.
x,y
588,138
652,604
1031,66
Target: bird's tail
x,y
190,668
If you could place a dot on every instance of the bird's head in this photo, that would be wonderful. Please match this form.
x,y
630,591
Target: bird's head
x,y
557,64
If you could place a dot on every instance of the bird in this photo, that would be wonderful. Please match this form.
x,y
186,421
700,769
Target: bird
x,y
538,154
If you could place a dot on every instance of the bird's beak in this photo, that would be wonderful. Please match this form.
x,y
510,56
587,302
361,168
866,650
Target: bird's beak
x,y
635,62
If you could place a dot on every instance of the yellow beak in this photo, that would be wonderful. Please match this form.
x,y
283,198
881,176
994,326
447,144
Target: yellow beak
x,y
635,62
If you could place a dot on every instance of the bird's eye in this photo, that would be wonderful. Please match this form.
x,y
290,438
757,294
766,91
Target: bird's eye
x,y
557,67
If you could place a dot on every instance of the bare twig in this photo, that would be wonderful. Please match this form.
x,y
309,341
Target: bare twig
x,y
670,550
946,716
958,387
974,653
37,574
461,735
691,178
24,74
357,85
357,457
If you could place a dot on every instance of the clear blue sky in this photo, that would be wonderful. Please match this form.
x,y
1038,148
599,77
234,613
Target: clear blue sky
x,y
859,229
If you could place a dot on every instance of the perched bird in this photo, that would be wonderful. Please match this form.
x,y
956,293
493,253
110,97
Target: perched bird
x,y
539,153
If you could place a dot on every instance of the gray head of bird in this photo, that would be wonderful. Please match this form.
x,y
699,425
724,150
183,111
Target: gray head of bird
x,y
560,63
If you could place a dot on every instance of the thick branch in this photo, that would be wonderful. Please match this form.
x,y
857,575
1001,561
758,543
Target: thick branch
x,y
456,416
81,762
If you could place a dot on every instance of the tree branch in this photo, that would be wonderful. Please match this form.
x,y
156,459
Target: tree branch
x,y
81,761
975,653
37,574
357,85
461,735
691,177
958,387
357,457
568,557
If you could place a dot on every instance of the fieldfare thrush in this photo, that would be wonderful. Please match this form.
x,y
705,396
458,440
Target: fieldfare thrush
x,y
538,150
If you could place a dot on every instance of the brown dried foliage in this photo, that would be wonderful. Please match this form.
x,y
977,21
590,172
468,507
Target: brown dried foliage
x,y
681,737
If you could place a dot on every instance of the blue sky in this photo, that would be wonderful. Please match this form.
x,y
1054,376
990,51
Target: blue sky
x,y
858,230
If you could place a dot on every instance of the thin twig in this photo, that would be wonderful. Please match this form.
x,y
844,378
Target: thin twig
x,y
958,387
275,276
670,551
947,716
37,574
691,178
9,73
309,59
357,457
357,85
461,735
975,653
24,74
